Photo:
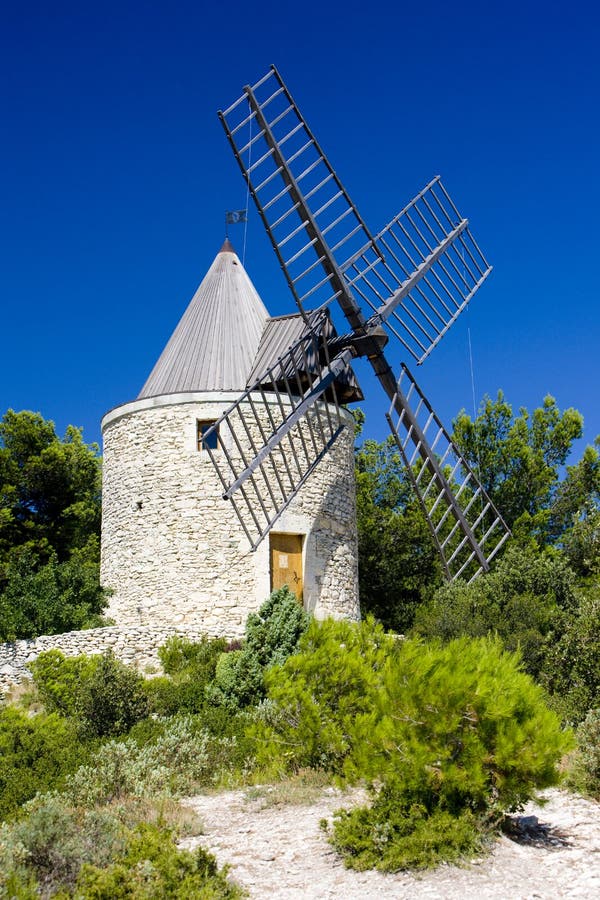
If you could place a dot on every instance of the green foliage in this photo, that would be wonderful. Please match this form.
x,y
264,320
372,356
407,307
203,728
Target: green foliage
x,y
571,670
518,458
391,837
59,680
585,770
36,753
151,867
47,847
105,696
457,736
49,529
190,667
458,726
239,680
180,655
317,694
575,515
113,699
180,758
444,735
398,562
62,850
51,598
524,600
581,543
272,634
50,488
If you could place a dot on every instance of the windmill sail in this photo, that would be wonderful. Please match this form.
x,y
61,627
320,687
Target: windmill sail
x,y
270,440
430,270
416,275
414,278
466,526
313,226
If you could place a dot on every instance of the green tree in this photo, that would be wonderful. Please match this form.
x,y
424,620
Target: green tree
x,y
49,528
398,561
575,514
518,459
526,600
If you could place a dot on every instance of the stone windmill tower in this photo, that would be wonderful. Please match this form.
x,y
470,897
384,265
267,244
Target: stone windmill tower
x,y
173,550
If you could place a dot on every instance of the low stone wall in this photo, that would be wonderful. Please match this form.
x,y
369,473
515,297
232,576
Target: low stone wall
x,y
136,645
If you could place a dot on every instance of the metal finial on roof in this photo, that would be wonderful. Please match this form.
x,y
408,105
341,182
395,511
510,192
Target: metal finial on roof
x,y
227,247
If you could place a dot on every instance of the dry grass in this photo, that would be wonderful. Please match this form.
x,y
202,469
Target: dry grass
x,y
302,789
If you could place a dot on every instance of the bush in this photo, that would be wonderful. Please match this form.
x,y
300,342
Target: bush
x,y
180,655
571,670
391,837
473,730
113,698
316,695
524,600
585,770
105,696
49,846
190,668
36,753
52,598
59,680
458,735
454,733
62,850
152,866
239,680
272,634
180,759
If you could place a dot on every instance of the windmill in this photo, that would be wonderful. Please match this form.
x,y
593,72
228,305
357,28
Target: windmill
x,y
410,281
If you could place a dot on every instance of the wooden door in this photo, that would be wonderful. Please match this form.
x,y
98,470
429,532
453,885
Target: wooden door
x,y
286,562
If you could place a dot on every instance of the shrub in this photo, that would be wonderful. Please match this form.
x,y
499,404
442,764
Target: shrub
x,y
239,680
52,598
585,770
59,680
179,655
459,726
48,847
272,634
105,696
62,850
316,695
190,668
458,735
453,733
36,753
390,837
113,698
152,866
571,671
181,758
524,600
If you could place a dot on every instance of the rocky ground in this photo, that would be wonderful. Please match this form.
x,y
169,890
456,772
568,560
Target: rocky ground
x,y
279,851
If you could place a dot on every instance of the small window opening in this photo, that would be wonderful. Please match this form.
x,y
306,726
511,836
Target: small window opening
x,y
202,442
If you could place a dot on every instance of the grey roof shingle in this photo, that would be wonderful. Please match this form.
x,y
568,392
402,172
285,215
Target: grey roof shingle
x,y
215,342
226,340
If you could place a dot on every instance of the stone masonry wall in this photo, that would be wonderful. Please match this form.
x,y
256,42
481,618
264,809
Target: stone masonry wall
x,y
135,646
173,550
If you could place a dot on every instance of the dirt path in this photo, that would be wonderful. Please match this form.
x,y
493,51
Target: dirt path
x,y
280,852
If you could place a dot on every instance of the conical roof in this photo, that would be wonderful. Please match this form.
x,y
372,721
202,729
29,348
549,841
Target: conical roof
x,y
214,345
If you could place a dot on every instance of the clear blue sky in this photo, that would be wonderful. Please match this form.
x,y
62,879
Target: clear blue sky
x,y
116,175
